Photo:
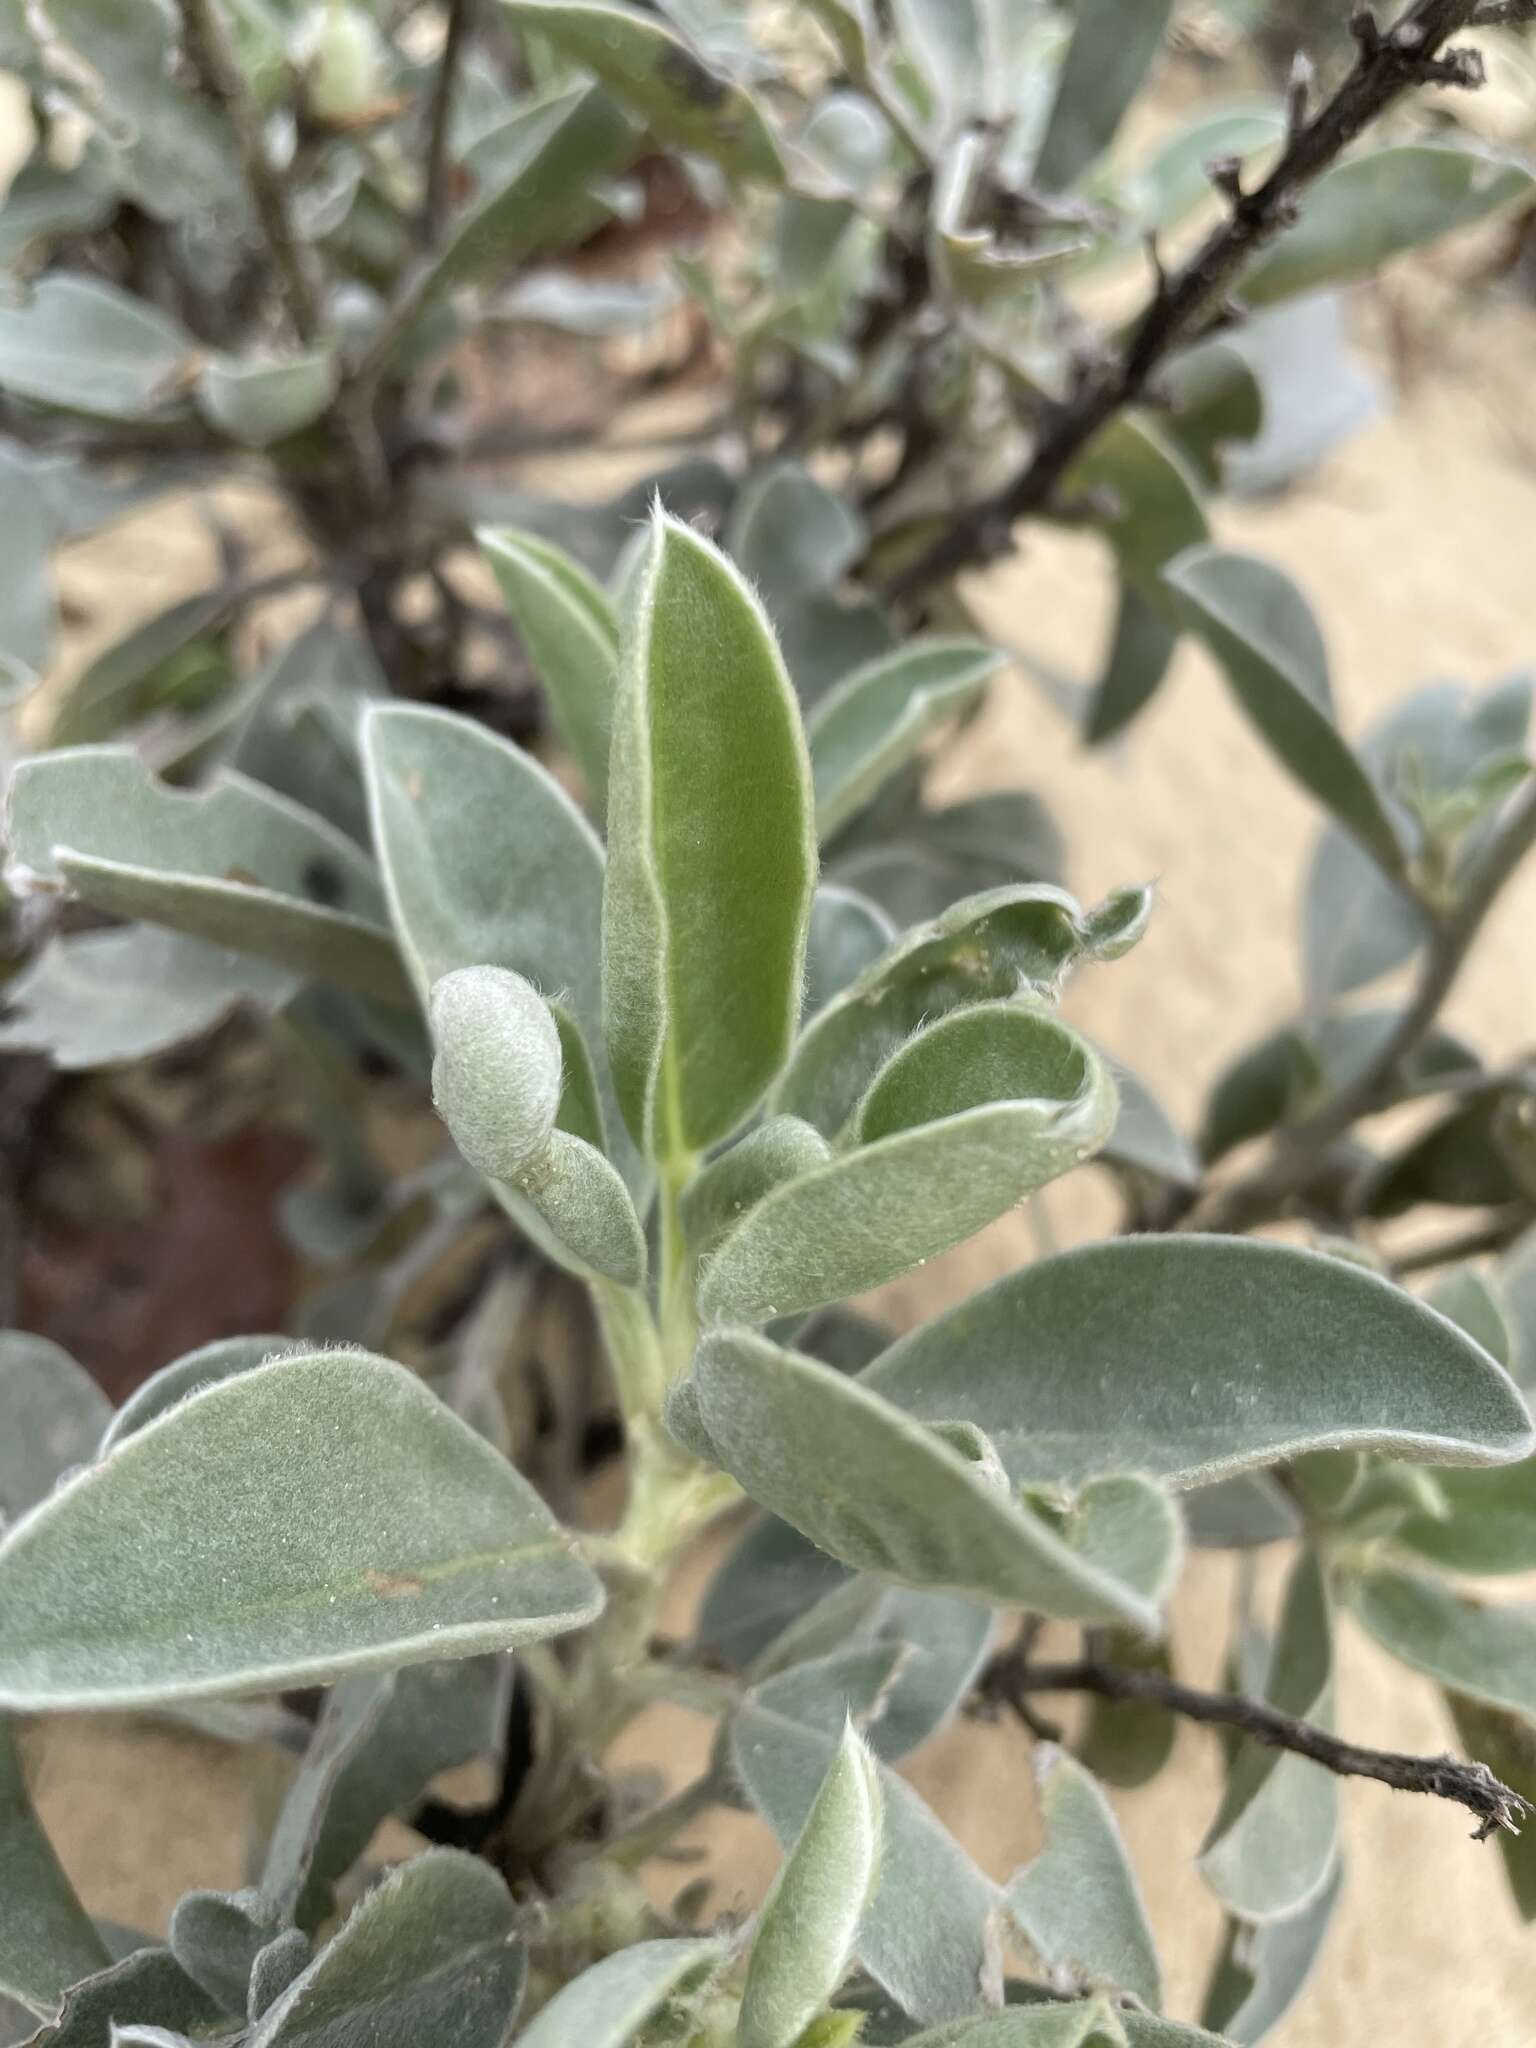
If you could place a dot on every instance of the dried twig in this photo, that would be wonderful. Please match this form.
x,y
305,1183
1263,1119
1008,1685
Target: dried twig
x,y
1388,64
1013,1680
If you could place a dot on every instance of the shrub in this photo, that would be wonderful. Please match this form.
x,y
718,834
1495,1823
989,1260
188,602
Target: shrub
x,y
757,1031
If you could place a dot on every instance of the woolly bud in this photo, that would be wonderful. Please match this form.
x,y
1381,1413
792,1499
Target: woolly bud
x,y
496,1069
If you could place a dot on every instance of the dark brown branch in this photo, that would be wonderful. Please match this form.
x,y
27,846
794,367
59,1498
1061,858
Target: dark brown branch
x,y
1388,64
434,200
1471,1785
1504,14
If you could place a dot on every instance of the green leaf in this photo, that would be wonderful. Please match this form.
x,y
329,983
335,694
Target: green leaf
x,y
352,1711
234,864
1506,1743
318,1515
257,400
26,584
809,1921
1488,1653
871,723
1189,1357
881,1492
1258,626
91,999
1003,942
1126,1742
431,1954
1140,651
1153,506
926,1933
87,346
1241,1513
283,1959
148,1987
1469,1158
572,634
769,1580
216,1937
1173,182
1361,213
608,2005
649,66
55,1413
970,1116
220,1360
1111,51
1261,1971
1487,1524
536,191
847,933
1078,1901
1145,1138
776,1151
712,858
47,1942
126,680
1274,1842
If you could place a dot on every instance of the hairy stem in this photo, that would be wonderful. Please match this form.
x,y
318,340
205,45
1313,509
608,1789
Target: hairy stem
x,y
1388,64
1013,1679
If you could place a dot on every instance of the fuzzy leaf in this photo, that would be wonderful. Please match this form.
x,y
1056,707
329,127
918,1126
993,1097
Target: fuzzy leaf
x,y
810,1920
1262,1969
1488,1524
1111,51
352,1711
54,1412
649,66
769,1579
1153,505
882,1493
148,1987
1260,630
1004,942
220,1360
431,1954
1488,1653
1088,2025
608,2005
777,1150
1139,655
216,1937
1273,1844
1078,1901
1189,1357
711,860
135,673
871,723
572,634
965,1120
47,1942
235,864
78,343
1361,213
1506,1743
258,401
317,1515
1145,1138
847,933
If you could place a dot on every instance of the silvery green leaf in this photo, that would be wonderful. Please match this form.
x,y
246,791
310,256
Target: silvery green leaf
x,y
87,346
233,864
777,1150
1274,1842
258,400
220,1360
962,1122
45,203
579,1213
1485,1524
283,1959
572,634
1172,181
1472,1302
54,1412
216,1937
91,999
1140,651
871,723
1468,1158
1004,942
47,1941
430,1954
1111,51
1091,2024
926,1935
1126,1742
455,812
352,1711
882,1493
1314,394
26,585
1152,511
806,1931
1129,1528
1145,1138
1259,628
1191,1357
435,1717
712,859
847,933
1506,1743
149,1987
770,1578
1488,1653
1262,1969
1078,1902
608,2005
165,1572
1361,213
127,679
651,69
1241,1513
840,1685
534,186
1216,407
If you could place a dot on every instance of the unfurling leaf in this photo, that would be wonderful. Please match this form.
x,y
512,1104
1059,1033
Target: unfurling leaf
x,y
317,1515
806,1932
608,2005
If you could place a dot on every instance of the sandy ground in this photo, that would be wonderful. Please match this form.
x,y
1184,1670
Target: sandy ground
x,y
1415,546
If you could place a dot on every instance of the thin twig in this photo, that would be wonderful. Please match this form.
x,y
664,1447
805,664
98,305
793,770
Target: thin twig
x,y
1294,1158
1388,64
1495,1234
213,58
444,85
1503,14
1471,1785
